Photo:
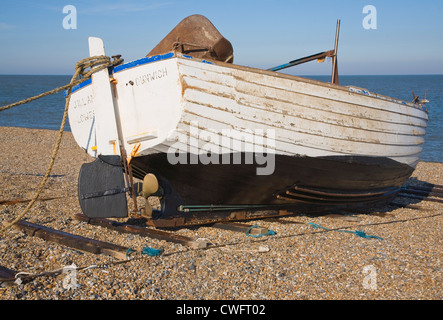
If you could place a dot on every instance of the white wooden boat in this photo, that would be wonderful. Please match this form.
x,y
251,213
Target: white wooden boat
x,y
220,136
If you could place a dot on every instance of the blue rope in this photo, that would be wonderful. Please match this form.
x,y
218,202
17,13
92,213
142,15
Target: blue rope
x,y
146,250
359,233
128,252
152,252
269,233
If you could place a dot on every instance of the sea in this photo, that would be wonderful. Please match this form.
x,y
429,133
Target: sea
x,y
47,112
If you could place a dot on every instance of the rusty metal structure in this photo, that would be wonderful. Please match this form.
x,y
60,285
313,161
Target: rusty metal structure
x,y
196,36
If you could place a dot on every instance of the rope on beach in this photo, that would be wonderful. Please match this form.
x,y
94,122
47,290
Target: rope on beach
x,y
359,233
95,64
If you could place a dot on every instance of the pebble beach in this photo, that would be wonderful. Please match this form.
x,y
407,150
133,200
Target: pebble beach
x,y
403,261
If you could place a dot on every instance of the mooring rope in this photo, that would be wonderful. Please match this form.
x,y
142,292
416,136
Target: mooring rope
x,y
95,63
359,233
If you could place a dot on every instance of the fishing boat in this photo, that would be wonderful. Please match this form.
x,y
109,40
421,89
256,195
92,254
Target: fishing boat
x,y
214,140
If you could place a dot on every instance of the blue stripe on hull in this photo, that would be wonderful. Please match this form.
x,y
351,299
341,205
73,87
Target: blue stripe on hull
x,y
135,63
80,85
142,61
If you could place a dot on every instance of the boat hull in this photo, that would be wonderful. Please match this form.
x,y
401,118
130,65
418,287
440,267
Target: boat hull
x,y
331,182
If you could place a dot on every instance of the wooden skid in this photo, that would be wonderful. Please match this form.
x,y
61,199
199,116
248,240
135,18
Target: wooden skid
x,y
6,274
213,217
72,241
142,231
240,227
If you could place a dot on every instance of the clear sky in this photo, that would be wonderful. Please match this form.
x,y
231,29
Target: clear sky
x,y
408,38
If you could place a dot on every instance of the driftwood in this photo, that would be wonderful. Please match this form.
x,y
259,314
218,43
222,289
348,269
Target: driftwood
x,y
6,274
71,240
143,231
240,227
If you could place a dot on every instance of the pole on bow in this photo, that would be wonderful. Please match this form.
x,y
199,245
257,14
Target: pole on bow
x,y
334,78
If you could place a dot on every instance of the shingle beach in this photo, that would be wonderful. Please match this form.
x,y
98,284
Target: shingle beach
x,y
403,260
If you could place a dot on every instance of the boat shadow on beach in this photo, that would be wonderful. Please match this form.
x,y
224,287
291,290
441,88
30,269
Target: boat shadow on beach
x,y
410,196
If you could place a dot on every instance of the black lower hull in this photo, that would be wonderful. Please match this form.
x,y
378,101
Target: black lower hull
x,y
296,181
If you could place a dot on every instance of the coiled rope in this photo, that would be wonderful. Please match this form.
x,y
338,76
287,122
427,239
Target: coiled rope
x,y
95,64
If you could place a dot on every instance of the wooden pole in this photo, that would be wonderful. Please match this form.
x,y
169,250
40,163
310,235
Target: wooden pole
x,y
240,227
142,231
334,78
71,240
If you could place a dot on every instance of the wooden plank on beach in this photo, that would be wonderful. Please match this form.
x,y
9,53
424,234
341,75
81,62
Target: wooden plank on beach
x,y
6,273
241,227
143,231
282,221
71,240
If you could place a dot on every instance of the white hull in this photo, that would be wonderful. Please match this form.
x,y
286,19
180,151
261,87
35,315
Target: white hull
x,y
174,100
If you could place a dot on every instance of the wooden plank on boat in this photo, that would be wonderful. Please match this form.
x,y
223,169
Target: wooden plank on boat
x,y
240,227
71,240
143,231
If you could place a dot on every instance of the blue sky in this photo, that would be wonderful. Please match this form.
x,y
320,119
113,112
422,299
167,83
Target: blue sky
x,y
408,38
